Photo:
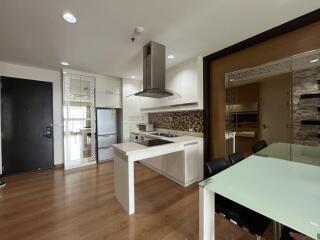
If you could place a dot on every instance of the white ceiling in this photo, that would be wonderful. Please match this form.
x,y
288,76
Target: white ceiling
x,y
32,32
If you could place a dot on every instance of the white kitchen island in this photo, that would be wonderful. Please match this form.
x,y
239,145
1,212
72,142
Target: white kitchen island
x,y
180,161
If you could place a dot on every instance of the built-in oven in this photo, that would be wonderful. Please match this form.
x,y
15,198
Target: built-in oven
x,y
242,116
244,120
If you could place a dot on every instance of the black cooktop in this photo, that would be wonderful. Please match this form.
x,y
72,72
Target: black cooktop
x,y
154,142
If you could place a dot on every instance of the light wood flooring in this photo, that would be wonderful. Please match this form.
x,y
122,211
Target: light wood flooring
x,y
80,204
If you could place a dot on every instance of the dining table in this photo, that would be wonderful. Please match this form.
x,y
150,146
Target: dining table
x,y
281,182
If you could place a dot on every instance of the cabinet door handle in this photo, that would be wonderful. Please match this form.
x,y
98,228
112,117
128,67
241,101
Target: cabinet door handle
x,y
105,91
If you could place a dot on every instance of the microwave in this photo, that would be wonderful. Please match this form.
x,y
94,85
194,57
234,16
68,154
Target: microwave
x,y
145,127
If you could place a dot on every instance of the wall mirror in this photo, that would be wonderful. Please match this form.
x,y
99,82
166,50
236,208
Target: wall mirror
x,y
278,102
79,120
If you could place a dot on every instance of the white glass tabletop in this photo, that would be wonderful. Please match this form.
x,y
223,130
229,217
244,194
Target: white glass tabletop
x,y
285,191
293,152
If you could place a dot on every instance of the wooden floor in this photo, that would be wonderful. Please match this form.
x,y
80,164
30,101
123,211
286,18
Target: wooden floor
x,y
80,204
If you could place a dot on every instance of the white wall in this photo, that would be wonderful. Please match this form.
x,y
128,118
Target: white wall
x,y
131,114
32,73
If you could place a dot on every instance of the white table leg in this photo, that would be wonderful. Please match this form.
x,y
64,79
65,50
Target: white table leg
x,y
206,214
124,183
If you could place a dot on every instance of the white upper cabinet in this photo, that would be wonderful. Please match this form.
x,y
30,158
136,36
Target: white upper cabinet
x,y
186,81
108,92
112,86
173,83
189,83
106,100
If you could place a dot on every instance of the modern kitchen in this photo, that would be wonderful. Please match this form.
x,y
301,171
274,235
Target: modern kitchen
x,y
156,121
159,120
173,150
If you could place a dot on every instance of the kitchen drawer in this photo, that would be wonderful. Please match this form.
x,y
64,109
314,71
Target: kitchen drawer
x,y
106,141
105,154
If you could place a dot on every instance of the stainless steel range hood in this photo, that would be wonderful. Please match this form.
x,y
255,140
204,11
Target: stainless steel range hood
x,y
154,72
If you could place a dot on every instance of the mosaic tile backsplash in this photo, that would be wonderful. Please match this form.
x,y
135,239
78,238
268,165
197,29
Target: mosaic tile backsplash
x,y
181,121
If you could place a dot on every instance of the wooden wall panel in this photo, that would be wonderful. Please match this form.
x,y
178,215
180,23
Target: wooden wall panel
x,y
295,42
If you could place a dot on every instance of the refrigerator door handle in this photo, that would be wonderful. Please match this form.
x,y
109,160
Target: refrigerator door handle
x,y
107,134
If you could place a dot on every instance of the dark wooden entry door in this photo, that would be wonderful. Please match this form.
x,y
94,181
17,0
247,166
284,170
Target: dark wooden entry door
x,y
26,124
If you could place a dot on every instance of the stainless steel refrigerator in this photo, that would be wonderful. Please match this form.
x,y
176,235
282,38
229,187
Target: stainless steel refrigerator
x,y
107,133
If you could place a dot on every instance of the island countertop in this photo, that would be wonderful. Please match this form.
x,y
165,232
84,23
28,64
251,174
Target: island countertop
x,y
181,161
131,148
183,138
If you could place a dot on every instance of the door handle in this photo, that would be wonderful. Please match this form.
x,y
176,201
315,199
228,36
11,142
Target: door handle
x,y
48,133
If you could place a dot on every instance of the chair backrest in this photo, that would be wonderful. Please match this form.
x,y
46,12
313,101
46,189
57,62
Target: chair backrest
x,y
216,165
236,157
259,145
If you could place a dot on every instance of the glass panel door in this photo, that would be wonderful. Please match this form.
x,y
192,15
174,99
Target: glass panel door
x,y
79,120
278,102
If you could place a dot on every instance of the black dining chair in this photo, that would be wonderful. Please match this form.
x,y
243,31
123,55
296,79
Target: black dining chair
x,y
223,206
236,157
216,165
243,217
259,145
253,222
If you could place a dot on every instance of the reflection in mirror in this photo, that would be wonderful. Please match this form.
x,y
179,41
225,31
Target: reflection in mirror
x,y
278,102
79,120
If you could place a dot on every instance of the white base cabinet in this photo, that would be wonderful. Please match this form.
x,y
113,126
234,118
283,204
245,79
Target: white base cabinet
x,y
192,162
173,165
181,167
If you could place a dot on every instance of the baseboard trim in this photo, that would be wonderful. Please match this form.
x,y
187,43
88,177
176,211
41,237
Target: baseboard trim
x,y
60,165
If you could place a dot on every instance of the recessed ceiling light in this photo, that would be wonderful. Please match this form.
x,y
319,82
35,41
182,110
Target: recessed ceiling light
x,y
133,77
314,60
171,56
65,63
69,17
